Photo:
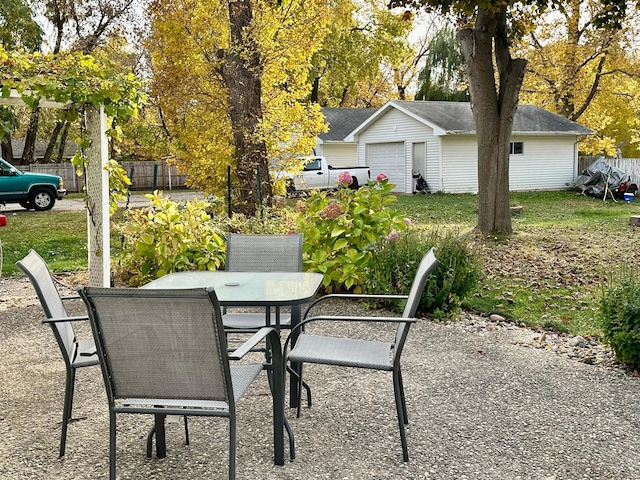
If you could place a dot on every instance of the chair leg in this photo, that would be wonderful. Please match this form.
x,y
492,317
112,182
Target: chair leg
x,y
404,403
112,445
67,408
299,392
397,389
232,446
292,442
186,429
150,441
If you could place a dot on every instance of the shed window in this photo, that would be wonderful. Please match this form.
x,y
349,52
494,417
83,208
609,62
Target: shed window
x,y
516,148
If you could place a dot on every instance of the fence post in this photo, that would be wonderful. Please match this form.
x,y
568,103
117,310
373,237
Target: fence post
x,y
259,191
155,176
229,190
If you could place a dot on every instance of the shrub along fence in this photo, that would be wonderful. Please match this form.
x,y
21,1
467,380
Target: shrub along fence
x,y
143,175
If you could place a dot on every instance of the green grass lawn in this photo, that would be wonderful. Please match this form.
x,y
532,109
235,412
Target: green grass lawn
x,y
549,273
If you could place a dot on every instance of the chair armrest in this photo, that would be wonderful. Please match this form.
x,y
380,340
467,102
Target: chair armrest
x,y
247,346
335,318
352,296
71,297
66,319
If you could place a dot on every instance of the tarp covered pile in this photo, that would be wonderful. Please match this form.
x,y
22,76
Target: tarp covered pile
x,y
599,176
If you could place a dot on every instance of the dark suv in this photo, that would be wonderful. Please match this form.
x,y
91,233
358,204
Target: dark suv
x,y
31,190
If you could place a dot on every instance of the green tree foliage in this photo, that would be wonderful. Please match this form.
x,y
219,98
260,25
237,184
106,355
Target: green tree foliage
x,y
212,125
363,41
442,78
18,29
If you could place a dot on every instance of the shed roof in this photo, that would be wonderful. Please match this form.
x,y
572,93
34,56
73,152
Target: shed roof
x,y
17,145
451,118
343,121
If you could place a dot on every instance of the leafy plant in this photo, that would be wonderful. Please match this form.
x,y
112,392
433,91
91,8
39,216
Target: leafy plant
x,y
340,231
269,220
168,237
620,318
394,265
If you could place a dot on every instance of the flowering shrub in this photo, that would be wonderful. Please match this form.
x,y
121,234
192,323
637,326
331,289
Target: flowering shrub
x,y
168,237
340,232
345,178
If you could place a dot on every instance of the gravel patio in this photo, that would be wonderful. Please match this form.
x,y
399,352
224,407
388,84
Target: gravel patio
x,y
483,404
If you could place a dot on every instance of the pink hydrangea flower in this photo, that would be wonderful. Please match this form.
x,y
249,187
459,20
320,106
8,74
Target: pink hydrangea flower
x,y
393,236
331,211
345,177
381,176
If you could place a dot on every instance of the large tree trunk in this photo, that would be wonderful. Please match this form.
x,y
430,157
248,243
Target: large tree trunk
x,y
7,150
493,109
30,138
63,142
52,141
242,74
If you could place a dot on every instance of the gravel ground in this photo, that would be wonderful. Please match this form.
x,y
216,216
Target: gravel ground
x,y
486,400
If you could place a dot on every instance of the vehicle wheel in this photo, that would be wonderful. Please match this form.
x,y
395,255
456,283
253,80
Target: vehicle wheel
x,y
354,183
25,204
291,188
42,199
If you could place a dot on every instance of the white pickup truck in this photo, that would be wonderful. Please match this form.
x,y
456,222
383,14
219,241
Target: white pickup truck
x,y
318,175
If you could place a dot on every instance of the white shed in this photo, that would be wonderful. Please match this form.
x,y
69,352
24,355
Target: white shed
x,y
438,140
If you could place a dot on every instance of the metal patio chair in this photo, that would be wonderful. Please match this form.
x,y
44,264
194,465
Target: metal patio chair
x,y
164,352
262,253
76,353
361,353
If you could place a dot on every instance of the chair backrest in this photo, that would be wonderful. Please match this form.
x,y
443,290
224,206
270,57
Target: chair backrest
x,y
38,272
427,265
160,344
264,253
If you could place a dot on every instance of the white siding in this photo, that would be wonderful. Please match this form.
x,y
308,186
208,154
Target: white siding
x,y
459,164
546,164
548,161
341,154
394,126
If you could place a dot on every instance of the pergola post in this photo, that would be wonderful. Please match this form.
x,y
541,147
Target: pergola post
x,y
98,227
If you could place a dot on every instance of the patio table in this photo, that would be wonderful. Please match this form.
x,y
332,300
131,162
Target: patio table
x,y
249,289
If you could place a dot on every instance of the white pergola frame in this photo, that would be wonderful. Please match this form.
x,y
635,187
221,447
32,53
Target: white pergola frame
x,y
98,226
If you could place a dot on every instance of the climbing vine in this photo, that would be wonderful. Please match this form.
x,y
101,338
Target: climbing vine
x,y
76,81
71,78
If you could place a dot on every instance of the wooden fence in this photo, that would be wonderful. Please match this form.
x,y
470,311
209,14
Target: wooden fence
x,y
144,175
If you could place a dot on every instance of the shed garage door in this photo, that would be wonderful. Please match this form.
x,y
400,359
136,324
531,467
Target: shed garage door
x,y
387,158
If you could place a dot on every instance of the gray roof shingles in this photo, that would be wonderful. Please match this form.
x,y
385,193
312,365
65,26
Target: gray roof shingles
x,y
343,121
456,117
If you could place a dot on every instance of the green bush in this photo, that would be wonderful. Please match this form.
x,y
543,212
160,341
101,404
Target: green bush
x,y
168,237
340,231
269,220
620,318
395,263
